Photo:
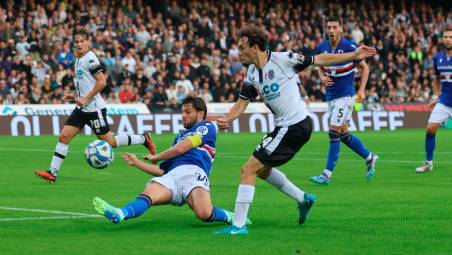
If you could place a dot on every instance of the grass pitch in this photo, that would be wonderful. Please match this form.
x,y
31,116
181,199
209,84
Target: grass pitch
x,y
399,212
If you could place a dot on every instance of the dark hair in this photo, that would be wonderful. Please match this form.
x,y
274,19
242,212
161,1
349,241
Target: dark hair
x,y
82,32
334,19
447,29
255,35
197,103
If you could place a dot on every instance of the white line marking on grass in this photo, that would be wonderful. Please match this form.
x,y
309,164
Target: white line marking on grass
x,y
84,215
48,218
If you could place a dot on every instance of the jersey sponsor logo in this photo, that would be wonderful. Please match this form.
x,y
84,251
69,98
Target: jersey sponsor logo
x,y
271,91
79,73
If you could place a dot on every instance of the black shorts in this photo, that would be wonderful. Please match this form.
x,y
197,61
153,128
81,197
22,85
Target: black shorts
x,y
96,120
283,143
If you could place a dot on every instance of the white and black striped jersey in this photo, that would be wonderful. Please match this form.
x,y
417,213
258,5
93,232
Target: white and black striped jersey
x,y
278,84
86,69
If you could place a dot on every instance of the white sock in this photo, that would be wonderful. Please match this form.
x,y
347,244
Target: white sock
x,y
328,173
58,157
369,157
245,196
124,140
279,180
430,162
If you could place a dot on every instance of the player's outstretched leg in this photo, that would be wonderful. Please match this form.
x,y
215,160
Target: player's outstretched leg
x,y
113,214
126,140
279,180
333,155
305,207
358,147
132,210
61,150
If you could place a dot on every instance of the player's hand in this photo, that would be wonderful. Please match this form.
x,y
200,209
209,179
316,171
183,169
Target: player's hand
x,y
69,98
326,81
432,104
360,96
223,123
81,101
129,158
365,52
151,158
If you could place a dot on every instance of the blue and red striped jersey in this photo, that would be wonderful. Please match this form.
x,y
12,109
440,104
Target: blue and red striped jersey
x,y
202,156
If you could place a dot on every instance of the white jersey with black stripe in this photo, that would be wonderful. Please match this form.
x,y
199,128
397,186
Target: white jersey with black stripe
x,y
278,84
86,69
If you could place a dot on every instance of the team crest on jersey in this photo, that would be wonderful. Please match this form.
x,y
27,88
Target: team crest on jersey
x,y
271,74
202,130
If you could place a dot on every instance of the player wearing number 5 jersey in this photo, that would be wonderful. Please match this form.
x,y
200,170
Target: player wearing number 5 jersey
x,y
274,76
340,97
442,99
90,109
183,176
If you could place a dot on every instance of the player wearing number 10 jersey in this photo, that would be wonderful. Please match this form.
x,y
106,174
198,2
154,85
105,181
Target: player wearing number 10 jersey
x,y
90,109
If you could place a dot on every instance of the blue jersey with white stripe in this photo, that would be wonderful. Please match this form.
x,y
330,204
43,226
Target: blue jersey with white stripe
x,y
443,68
342,74
202,155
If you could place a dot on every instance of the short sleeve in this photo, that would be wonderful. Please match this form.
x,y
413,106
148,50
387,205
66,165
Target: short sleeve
x,y
248,91
299,62
206,132
351,47
94,66
435,65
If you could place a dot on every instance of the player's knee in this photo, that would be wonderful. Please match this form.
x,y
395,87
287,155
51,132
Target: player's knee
x,y
64,138
112,142
431,129
203,214
246,171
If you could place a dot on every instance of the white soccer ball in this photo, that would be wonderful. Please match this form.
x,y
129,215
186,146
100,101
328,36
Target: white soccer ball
x,y
99,154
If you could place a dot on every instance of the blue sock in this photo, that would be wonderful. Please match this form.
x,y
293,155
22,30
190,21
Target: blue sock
x,y
355,144
333,151
430,143
218,214
137,207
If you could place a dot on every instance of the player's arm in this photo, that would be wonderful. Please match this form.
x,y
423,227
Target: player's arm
x,y
237,109
326,59
436,91
178,149
101,82
326,80
364,77
132,160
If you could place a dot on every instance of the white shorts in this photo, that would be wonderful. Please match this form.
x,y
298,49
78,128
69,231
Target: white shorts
x,y
440,114
181,181
340,110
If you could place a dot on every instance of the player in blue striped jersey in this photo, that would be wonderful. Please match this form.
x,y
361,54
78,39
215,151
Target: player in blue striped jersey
x,y
340,97
183,176
442,96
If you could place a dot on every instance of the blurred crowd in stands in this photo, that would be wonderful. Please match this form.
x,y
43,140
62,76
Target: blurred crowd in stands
x,y
158,52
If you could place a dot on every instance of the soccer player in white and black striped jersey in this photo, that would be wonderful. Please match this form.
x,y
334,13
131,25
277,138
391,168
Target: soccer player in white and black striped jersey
x,y
274,77
90,109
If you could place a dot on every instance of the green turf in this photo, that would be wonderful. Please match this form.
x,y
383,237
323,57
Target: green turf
x,y
400,212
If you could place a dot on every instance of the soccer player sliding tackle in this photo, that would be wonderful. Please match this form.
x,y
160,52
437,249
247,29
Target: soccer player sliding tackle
x,y
183,176
90,110
274,76
340,97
